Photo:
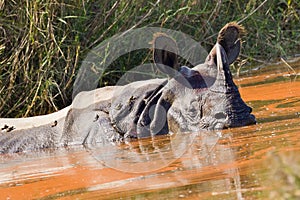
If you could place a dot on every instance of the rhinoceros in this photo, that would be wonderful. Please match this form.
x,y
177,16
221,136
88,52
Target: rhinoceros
x,y
190,99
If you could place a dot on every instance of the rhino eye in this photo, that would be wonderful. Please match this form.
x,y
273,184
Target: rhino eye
x,y
193,110
220,115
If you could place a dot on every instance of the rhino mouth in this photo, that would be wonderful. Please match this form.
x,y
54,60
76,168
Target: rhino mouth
x,y
240,118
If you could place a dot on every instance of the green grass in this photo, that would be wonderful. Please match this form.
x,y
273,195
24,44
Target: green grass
x,y
42,42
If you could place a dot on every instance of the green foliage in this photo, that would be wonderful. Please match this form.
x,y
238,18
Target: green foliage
x,y
284,175
42,42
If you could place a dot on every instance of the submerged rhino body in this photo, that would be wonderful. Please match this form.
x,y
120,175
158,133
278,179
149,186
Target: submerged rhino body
x,y
190,99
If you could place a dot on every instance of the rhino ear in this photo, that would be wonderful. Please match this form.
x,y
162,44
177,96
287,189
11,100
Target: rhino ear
x,y
230,39
165,53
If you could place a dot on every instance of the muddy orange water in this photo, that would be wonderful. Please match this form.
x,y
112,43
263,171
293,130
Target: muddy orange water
x,y
255,162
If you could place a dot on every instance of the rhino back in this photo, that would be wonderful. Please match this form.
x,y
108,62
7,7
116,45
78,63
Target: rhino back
x,y
45,136
32,133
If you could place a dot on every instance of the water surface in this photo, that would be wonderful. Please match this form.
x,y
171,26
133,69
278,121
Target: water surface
x,y
254,162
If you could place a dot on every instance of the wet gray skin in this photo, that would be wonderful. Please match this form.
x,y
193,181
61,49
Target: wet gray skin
x,y
191,99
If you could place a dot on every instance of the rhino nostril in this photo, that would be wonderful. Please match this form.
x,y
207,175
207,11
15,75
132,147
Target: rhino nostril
x,y
220,115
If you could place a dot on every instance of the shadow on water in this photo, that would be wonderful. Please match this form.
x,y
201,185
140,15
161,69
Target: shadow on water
x,y
254,162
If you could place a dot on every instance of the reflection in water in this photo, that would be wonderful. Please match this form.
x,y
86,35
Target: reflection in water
x,y
198,152
254,162
143,155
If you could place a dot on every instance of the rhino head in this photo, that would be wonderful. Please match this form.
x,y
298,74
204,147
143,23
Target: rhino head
x,y
202,97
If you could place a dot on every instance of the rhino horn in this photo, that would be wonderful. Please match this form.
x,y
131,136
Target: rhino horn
x,y
224,82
